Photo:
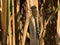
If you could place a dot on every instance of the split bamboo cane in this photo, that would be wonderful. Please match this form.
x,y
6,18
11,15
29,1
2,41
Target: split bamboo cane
x,y
9,27
10,31
13,22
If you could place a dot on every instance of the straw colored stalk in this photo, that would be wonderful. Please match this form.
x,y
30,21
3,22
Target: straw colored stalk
x,y
13,22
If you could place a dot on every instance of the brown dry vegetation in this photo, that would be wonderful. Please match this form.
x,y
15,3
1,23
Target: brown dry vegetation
x,y
29,22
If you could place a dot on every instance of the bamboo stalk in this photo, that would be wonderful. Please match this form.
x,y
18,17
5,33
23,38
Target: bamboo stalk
x,y
9,28
13,22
